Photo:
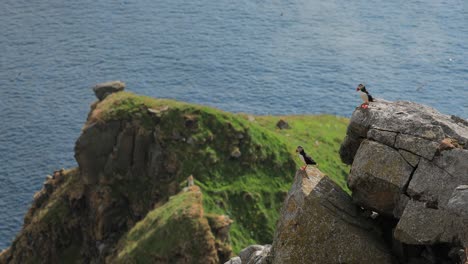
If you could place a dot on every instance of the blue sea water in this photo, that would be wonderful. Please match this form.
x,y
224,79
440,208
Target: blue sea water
x,y
255,56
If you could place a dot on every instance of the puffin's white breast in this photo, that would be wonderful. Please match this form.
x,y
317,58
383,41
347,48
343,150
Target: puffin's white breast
x,y
364,96
302,158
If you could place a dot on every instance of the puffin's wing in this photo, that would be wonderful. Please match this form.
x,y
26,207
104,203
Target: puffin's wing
x,y
308,159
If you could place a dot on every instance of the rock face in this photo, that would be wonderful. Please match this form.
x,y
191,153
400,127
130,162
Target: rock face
x,y
133,155
386,169
172,226
102,90
255,254
320,224
403,169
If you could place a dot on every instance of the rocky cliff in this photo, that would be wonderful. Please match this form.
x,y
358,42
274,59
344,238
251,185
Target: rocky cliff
x,y
125,203
410,164
409,175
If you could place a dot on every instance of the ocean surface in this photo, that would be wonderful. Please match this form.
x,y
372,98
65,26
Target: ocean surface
x,y
254,56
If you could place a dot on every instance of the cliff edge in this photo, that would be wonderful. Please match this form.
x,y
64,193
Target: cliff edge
x,y
134,157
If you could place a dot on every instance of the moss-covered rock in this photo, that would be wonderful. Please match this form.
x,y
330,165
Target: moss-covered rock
x,y
177,232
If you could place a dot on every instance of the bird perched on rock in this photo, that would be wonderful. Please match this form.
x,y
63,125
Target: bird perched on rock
x,y
366,97
305,158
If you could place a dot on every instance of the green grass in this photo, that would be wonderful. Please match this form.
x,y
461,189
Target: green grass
x,y
169,231
251,188
195,140
321,137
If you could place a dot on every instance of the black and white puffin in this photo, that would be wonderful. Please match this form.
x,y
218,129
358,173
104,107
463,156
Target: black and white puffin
x,y
366,97
305,158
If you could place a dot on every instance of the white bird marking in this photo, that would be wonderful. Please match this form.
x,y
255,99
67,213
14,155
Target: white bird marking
x,y
302,158
364,96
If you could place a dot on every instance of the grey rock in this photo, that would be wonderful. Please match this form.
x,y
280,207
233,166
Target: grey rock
x,y
236,153
420,225
413,178
385,137
122,157
400,117
282,124
454,162
458,202
419,146
93,148
349,148
320,224
400,205
355,134
432,184
234,260
143,139
411,158
255,254
102,90
459,120
248,251
378,175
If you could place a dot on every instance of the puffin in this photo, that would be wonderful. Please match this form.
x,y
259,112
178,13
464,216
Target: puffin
x,y
305,158
366,97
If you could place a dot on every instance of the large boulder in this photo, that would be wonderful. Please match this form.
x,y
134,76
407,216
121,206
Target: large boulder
x,y
404,169
320,224
378,165
254,254
102,90
415,125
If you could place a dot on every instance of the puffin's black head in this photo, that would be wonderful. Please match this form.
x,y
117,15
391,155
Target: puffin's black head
x,y
360,87
299,149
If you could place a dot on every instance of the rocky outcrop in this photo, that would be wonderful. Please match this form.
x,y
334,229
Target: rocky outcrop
x,y
282,124
419,128
177,232
255,254
410,163
134,156
102,90
320,224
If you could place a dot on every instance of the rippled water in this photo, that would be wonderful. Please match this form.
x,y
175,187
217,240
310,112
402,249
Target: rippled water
x,y
262,57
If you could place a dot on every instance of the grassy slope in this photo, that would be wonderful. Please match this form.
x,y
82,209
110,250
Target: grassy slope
x,y
320,135
163,234
252,191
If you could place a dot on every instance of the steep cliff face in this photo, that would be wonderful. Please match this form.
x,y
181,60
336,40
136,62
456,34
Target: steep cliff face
x,y
133,154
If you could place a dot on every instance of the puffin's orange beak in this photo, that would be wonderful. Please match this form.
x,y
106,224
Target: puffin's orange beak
x,y
357,89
